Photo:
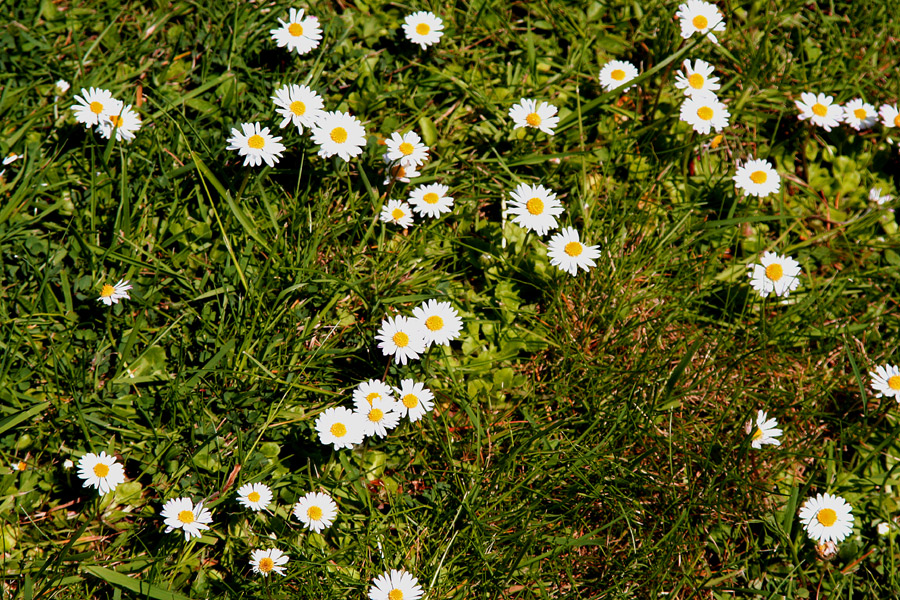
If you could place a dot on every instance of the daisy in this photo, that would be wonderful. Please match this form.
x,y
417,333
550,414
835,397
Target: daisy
x,y
528,113
764,431
534,207
68,464
180,513
859,115
696,16
93,104
705,113
340,427
886,381
371,390
415,399
125,123
890,116
423,28
299,105
827,518
876,196
378,417
111,294
298,33
568,253
400,172
397,212
431,200
11,158
401,337
776,274
256,145
268,561
255,496
339,133
697,80
316,510
439,321
18,466
62,86
883,528
616,73
407,149
820,110
395,585
101,472
757,178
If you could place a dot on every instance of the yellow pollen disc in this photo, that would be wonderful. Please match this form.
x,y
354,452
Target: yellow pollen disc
x,y
533,119
298,108
819,109
431,198
434,323
423,28
774,272
338,135
705,113
266,564
859,114
396,214
758,177
22,466
757,434
406,148
700,22
256,142
314,513
107,290
101,470
572,248
696,81
253,496
716,141
186,517
410,401
535,206
401,339
116,120
295,29
376,415
894,382
826,517
96,107
618,74
395,594
372,397
897,121
399,172
338,430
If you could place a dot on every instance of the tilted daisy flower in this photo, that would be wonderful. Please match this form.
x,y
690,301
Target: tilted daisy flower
x,y
423,28
180,513
18,466
568,253
875,195
705,113
757,178
399,172
765,431
431,200
255,496
820,110
777,274
101,471
339,133
534,207
860,115
401,338
268,561
11,158
111,294
697,80
395,585
890,116
94,104
397,212
371,390
440,322
530,113
616,73
827,518
316,510
414,399
886,381
378,417
297,104
62,86
339,427
696,16
407,149
125,123
256,145
298,33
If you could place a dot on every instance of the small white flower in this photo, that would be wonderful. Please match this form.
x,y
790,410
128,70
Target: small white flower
x,y
11,158
875,195
534,207
890,116
255,496
414,399
765,431
298,33
68,464
616,73
399,172
180,513
62,86
407,149
705,113
776,273
297,104
401,338
696,16
883,528
111,294
886,381
860,115
316,510
440,323
827,518
377,417
395,585
268,561
398,213
431,200
697,80
371,390
757,178
101,471
339,133
568,253
423,28
256,145
530,113
125,124
339,427
820,110
94,104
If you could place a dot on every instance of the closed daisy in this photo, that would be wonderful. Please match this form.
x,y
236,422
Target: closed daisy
x,y
777,274
696,16
413,399
406,149
395,585
765,431
568,253
423,28
316,510
431,200
125,124
256,145
378,417
268,561
339,133
255,496
705,113
371,390
94,104
697,80
111,294
875,195
180,513
531,113
890,116
297,104
616,73
820,110
339,427
859,115
401,338
439,321
534,207
827,518
298,32
399,172
101,472
397,212
886,381
757,178
62,86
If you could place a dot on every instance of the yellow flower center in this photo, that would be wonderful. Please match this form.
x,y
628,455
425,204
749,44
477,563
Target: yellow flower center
x,y
859,113
423,28
372,397
295,29
434,323
253,496
572,248
396,214
338,135
399,172
431,198
410,401
22,466
116,120
757,434
826,517
774,272
96,107
106,291
819,109
338,430
101,470
535,206
758,177
376,415
395,594
705,113
696,81
716,141
894,382
897,121
533,119
298,108
266,564
186,517
618,74
700,22
256,141
314,513
406,148
401,339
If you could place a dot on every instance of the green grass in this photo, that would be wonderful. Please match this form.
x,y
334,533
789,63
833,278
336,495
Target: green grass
x,y
588,437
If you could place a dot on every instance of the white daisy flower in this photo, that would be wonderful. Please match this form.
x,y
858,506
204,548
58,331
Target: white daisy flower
x,y
125,123
705,113
62,86
378,417
402,338
697,80
568,253
11,158
530,113
256,145
68,464
886,381
407,149
439,321
860,115
883,528
423,28
395,585
340,427
431,200
397,212
255,496
890,116
339,133
400,172
414,399
777,274
298,104
534,207
111,294
757,178
616,73
765,431
298,33
820,110
696,16
827,518
180,513
268,561
316,510
371,390
18,466
94,104
876,196
101,471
